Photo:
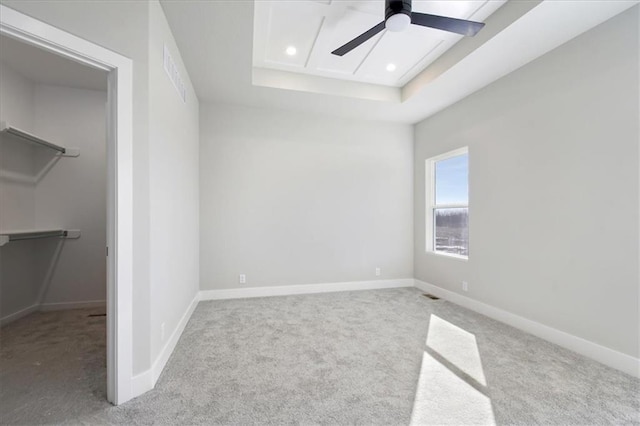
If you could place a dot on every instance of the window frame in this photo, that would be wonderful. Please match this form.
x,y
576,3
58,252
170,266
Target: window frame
x,y
431,206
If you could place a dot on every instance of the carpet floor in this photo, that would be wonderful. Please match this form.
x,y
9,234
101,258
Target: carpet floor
x,y
388,357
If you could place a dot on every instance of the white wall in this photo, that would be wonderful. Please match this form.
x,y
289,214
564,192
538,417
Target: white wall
x,y
553,151
17,109
41,191
174,219
290,198
16,102
72,194
58,199
17,195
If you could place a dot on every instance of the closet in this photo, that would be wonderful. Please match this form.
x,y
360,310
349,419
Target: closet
x,y
52,226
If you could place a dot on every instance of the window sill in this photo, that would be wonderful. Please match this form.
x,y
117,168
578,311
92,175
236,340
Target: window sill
x,y
448,255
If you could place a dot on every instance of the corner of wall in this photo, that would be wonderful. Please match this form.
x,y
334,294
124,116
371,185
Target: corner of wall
x,y
173,190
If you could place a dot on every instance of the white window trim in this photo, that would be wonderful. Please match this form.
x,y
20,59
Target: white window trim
x,y
430,204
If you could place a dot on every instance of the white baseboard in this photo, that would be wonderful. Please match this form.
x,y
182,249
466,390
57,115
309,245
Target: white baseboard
x,y
602,354
141,383
147,380
73,305
17,315
286,290
167,350
45,307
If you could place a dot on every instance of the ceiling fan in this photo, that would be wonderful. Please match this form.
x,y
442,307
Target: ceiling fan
x,y
398,16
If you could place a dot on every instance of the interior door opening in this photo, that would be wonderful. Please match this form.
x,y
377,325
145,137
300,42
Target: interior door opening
x,y
53,227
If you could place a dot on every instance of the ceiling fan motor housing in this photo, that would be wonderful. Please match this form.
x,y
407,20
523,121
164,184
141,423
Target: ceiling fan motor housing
x,y
394,7
398,17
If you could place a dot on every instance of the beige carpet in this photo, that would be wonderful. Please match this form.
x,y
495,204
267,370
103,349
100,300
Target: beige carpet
x,y
369,357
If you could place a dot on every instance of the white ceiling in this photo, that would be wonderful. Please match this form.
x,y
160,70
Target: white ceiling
x,y
316,28
44,67
216,43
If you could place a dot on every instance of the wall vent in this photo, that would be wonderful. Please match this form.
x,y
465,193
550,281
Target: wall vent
x,y
174,75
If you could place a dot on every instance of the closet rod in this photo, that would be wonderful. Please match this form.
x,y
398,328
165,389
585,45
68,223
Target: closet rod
x,y
18,236
31,138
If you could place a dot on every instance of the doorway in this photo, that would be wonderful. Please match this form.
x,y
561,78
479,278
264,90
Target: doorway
x,y
119,183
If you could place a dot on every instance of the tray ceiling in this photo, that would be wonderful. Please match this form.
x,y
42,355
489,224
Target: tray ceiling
x,y
298,37
216,42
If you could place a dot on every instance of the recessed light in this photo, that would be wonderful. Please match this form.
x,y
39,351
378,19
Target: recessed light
x,y
391,67
291,50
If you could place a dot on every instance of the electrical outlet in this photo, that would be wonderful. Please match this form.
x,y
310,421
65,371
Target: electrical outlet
x,y
465,286
162,331
242,279
377,272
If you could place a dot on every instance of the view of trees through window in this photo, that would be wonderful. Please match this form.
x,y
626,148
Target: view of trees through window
x,y
451,205
452,231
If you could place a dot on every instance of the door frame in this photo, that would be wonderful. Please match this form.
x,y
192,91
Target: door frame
x,y
119,182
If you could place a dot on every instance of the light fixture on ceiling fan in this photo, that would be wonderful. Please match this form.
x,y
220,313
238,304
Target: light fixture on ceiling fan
x,y
398,17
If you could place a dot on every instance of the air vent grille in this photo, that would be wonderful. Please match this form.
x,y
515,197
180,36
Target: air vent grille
x,y
431,296
174,75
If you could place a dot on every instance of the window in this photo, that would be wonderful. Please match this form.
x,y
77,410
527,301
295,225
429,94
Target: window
x,y
447,179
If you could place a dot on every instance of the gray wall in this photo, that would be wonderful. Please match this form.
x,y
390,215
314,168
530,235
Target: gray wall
x,y
553,153
290,198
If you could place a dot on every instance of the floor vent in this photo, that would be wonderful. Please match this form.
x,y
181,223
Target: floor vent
x,y
431,296
97,315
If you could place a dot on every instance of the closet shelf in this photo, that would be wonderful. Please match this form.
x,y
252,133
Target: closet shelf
x,y
28,137
32,235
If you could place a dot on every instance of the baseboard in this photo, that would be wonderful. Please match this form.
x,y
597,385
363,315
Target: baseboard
x,y
167,350
602,354
141,383
17,315
73,305
286,290
147,380
45,307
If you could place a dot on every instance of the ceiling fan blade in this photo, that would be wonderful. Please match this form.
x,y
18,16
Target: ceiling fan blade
x,y
359,40
453,25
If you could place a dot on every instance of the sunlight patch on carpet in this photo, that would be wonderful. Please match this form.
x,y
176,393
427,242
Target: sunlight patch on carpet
x,y
452,387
